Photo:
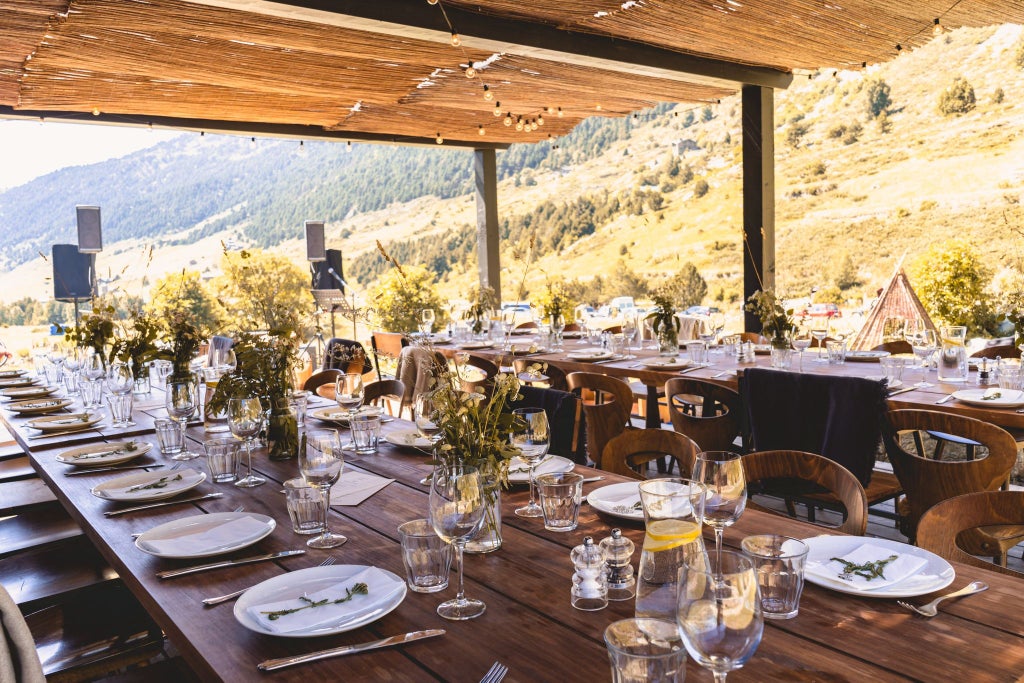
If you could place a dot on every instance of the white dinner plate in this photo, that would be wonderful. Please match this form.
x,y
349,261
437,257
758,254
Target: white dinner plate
x,y
103,454
469,346
406,439
306,581
27,392
8,374
866,356
1007,398
340,415
589,355
20,381
665,363
65,423
524,349
166,484
618,500
197,524
39,406
519,472
935,575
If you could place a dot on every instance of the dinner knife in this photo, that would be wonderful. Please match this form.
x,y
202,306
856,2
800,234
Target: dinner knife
x,y
115,513
275,664
171,573
97,470
901,391
47,435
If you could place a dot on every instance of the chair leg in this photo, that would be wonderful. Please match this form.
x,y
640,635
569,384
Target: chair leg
x,y
919,443
790,508
811,510
940,447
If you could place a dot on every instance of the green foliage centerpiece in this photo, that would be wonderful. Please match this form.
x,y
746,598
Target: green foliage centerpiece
x,y
777,324
482,300
665,324
184,339
96,331
137,346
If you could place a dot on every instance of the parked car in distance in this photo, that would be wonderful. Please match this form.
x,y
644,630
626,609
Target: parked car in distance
x,y
823,311
701,310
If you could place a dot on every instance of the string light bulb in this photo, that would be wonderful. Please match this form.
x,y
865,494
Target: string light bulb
x,y
551,110
540,120
431,2
508,119
348,146
519,123
497,108
488,95
252,142
439,140
456,40
481,130
95,111
938,29
302,148
597,107
560,113
470,71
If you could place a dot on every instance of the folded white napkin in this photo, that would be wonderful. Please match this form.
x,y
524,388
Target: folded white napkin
x,y
208,540
518,467
355,487
171,481
903,567
380,587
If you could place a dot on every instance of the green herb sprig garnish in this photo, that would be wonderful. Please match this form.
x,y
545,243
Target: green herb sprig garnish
x,y
127,448
868,570
358,589
991,395
160,483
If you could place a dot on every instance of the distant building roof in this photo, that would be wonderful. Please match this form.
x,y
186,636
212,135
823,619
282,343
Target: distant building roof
x,y
898,300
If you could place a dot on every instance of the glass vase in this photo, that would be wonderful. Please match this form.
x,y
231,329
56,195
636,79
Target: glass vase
x,y
282,431
781,350
488,539
668,341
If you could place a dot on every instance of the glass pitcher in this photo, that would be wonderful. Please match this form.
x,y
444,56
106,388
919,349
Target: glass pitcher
x,y
953,354
673,509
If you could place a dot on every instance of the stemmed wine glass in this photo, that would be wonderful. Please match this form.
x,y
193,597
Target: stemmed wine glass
x,y
245,418
801,340
718,611
629,329
92,372
120,382
180,401
819,330
922,341
423,415
722,473
456,513
348,392
321,461
508,323
557,328
426,321
532,441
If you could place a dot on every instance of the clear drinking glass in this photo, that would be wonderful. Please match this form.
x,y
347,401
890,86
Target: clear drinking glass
x,y
719,612
423,414
533,441
456,513
922,341
801,341
180,401
427,321
629,330
321,461
819,330
348,391
245,418
120,383
722,473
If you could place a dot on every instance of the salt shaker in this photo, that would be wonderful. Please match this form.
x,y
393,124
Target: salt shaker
x,y
618,552
985,377
589,581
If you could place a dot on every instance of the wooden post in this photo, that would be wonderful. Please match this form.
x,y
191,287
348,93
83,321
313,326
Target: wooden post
x,y
758,195
488,255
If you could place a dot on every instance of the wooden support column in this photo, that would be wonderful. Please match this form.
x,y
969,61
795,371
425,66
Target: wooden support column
x,y
488,255
758,195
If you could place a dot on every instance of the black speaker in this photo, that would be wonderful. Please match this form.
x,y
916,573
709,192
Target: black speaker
x,y
315,241
322,277
74,273
90,237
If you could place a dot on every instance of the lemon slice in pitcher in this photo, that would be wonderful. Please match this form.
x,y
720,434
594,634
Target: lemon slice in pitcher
x,y
665,534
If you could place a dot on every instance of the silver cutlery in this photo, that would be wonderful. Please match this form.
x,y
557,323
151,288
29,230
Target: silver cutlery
x,y
587,480
495,674
97,470
275,664
697,366
210,602
171,573
150,506
47,435
723,373
944,399
931,609
901,391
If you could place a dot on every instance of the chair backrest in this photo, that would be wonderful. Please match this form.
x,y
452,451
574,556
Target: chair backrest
x,y
810,467
554,374
894,347
837,417
708,413
417,367
489,368
319,379
927,482
387,345
754,337
626,453
18,658
565,417
608,416
387,391
943,522
1003,351
346,355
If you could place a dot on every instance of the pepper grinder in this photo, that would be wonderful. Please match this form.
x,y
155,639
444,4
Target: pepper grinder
x,y
619,552
984,376
589,581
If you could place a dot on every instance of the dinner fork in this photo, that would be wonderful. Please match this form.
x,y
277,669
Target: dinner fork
x,y
210,602
495,674
931,609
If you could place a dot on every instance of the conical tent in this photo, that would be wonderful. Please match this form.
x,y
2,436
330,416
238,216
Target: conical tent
x,y
897,300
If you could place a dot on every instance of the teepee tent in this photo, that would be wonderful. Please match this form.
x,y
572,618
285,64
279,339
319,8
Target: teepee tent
x,y
897,300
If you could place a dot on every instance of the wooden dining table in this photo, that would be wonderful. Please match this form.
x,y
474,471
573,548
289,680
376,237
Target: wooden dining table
x,y
529,624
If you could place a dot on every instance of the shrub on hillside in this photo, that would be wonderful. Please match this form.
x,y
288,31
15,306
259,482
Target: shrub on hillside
x,y
796,133
957,98
700,188
998,96
879,100
1019,57
847,277
853,132
884,123
952,280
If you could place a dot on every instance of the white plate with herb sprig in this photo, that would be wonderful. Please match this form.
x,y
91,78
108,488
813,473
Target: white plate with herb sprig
x,y
72,422
21,381
311,580
104,454
991,398
22,393
39,406
618,500
205,535
8,374
146,486
935,573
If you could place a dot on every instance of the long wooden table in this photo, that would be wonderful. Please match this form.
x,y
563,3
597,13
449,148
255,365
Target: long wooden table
x,y
529,624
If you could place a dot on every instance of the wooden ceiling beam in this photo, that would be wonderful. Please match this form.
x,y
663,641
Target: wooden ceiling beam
x,y
416,20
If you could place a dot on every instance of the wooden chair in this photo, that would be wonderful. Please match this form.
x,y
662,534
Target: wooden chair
x,y
895,347
927,482
388,345
489,368
809,467
565,417
607,415
1003,351
628,453
944,522
552,376
706,412
753,337
346,355
385,392
325,379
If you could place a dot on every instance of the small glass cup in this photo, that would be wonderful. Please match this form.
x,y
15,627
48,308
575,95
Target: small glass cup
x,y
560,497
426,557
697,351
120,410
222,460
642,650
169,437
1009,376
892,369
365,432
303,502
779,564
836,351
298,402
91,392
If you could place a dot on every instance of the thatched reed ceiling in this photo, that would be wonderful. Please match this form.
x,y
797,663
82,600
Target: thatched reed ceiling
x,y
388,69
